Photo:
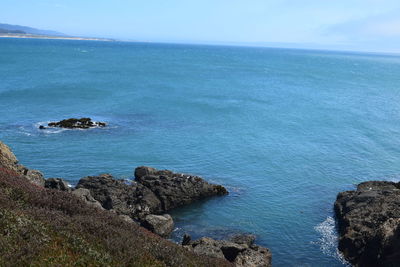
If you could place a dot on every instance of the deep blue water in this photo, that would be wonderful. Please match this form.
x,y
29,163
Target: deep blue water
x,y
284,130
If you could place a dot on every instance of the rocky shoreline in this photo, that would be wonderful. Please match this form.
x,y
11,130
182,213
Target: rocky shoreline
x,y
145,202
368,218
369,224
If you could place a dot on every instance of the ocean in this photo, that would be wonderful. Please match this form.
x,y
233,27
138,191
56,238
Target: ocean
x,y
284,130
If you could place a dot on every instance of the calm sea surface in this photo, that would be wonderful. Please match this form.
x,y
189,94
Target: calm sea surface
x,y
284,130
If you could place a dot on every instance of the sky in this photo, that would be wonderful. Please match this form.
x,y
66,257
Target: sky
x,y
361,25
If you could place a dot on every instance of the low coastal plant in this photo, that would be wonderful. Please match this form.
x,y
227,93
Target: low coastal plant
x,y
44,227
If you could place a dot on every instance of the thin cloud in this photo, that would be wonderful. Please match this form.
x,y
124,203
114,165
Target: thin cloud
x,y
369,28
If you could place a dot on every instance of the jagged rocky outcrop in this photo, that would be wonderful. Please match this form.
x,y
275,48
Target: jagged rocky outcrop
x,y
176,189
240,250
369,224
132,199
9,162
153,192
82,123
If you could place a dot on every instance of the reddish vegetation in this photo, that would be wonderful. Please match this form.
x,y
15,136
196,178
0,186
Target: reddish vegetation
x,y
48,227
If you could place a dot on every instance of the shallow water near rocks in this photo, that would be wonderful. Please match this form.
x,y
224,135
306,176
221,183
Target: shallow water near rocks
x,y
284,130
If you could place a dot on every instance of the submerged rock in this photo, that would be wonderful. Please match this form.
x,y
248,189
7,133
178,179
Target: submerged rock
x,y
9,162
244,253
82,123
176,189
162,225
369,224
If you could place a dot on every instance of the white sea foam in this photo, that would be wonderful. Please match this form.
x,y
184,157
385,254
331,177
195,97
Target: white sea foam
x,y
36,125
24,131
329,239
54,131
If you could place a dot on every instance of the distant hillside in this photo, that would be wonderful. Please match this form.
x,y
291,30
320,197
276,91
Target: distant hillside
x,y
11,31
8,28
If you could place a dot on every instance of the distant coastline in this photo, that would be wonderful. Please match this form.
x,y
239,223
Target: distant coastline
x,y
36,36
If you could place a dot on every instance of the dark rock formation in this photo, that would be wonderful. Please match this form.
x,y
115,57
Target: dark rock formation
x,y
82,123
153,192
186,240
176,189
369,224
244,253
134,200
9,162
163,225
57,183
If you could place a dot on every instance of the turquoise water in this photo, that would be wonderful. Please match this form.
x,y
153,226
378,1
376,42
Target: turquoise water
x,y
284,130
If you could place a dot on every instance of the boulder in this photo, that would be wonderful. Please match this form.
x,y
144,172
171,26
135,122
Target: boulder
x,y
127,219
243,239
162,225
176,189
255,257
243,253
133,199
7,157
82,123
207,246
34,176
369,224
58,184
8,161
85,195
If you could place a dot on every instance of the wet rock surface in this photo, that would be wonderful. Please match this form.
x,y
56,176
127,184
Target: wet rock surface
x,y
72,123
369,224
8,161
244,253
